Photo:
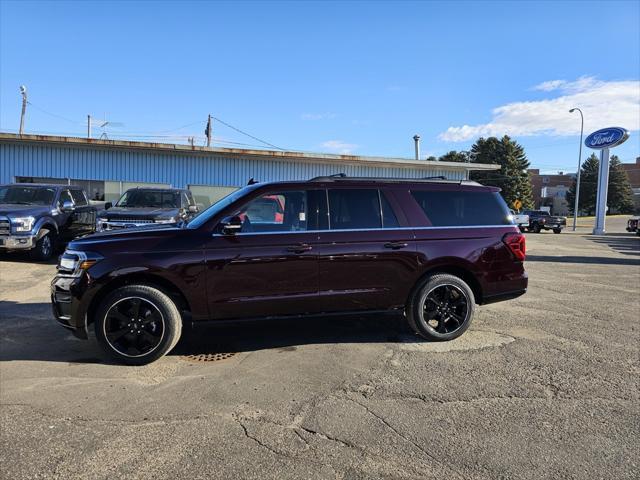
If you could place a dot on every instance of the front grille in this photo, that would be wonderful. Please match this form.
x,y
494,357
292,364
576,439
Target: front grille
x,y
130,220
5,226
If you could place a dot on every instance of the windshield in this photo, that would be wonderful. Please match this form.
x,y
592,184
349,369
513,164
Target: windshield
x,y
27,195
149,198
217,207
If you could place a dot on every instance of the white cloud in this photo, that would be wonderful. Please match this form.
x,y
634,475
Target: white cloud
x,y
604,104
338,146
318,116
550,85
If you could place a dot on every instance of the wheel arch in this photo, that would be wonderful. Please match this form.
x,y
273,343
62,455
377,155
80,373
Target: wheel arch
x,y
139,278
462,272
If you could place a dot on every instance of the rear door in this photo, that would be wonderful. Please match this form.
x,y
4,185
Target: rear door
x,y
367,253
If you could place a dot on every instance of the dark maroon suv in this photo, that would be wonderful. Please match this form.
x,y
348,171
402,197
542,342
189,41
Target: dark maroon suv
x,y
431,249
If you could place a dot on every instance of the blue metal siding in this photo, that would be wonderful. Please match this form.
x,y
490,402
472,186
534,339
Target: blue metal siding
x,y
178,169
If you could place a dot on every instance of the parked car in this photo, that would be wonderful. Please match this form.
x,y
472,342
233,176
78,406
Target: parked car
x,y
632,224
542,220
38,217
141,207
432,250
520,219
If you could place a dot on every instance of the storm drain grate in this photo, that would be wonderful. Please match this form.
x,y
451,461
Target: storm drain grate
x,y
209,357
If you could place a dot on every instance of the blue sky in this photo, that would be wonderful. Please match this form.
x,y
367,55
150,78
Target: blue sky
x,y
352,77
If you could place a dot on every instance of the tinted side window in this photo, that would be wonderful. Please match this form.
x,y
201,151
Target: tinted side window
x,y
354,209
389,219
65,196
78,197
275,212
462,208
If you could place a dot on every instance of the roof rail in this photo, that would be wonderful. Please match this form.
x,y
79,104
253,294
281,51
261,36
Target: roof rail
x,y
434,179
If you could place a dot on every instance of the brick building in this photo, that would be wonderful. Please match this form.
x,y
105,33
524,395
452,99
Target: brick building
x,y
633,172
550,190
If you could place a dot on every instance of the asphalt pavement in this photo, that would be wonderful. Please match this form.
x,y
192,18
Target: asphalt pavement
x,y
544,386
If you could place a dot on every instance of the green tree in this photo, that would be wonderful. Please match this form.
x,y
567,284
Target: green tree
x,y
454,156
512,177
619,193
432,159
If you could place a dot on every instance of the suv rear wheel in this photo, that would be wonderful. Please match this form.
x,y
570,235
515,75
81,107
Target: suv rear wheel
x,y
441,308
137,324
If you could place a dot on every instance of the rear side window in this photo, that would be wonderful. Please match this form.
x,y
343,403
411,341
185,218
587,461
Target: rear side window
x,y
463,208
354,209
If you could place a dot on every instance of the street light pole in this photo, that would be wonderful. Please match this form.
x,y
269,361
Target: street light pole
x,y
575,207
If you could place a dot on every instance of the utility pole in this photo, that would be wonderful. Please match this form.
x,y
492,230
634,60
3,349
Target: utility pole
x,y
23,91
207,131
88,126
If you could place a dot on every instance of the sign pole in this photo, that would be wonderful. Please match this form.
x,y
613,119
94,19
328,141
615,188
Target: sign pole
x,y
603,186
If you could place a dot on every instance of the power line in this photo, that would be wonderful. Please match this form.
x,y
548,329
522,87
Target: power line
x,y
247,134
55,114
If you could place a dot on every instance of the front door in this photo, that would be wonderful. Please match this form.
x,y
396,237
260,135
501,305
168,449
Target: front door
x,y
269,268
367,257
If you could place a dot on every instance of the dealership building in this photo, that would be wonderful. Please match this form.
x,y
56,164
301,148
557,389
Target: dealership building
x,y
107,168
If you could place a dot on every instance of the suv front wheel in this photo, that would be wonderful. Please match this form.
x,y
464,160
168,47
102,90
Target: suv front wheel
x,y
137,324
441,308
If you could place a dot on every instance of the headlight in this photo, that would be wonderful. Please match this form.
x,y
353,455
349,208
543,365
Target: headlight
x,y
23,224
166,220
74,263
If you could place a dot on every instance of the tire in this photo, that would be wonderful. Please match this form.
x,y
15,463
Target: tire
x,y
137,341
537,228
430,292
557,230
44,248
522,229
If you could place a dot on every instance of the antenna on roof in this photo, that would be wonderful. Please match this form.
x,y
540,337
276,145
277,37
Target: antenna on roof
x,y
252,181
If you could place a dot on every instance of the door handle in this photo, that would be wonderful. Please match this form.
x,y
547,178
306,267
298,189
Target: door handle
x,y
303,247
396,245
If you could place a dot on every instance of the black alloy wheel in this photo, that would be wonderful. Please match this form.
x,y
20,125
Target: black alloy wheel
x,y
441,307
134,326
445,308
137,324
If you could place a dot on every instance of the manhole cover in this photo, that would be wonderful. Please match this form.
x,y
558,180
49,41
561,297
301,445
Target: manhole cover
x,y
208,357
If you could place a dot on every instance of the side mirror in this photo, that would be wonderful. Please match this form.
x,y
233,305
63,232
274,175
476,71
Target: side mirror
x,y
67,206
193,209
108,205
231,225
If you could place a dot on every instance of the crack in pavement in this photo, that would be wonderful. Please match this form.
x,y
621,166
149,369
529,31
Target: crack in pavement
x,y
406,439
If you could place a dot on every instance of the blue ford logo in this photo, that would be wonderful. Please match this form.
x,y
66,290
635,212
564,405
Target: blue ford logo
x,y
606,138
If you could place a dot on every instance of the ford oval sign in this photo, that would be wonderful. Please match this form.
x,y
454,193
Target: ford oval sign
x,y
606,138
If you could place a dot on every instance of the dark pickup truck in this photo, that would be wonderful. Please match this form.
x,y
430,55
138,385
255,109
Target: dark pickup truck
x,y
38,217
143,207
542,220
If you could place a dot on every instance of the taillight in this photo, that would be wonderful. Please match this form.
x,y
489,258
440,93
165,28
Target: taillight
x,y
517,245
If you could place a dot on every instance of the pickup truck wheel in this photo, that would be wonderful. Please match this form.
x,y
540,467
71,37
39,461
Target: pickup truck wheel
x,y
137,324
537,228
557,230
44,248
441,308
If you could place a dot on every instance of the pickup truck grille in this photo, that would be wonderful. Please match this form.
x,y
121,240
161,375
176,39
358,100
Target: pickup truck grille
x,y
5,226
130,220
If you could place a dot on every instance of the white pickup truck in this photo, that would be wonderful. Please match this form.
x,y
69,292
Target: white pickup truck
x,y
521,220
